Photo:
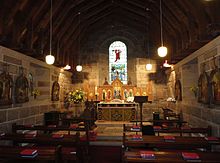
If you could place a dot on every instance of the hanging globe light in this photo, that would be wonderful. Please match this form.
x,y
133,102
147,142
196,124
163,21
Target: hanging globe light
x,y
79,68
50,59
162,51
149,67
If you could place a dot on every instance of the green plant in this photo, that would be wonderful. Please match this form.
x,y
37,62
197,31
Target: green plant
x,y
194,89
36,92
76,96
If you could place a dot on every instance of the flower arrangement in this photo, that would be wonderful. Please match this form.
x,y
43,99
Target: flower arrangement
x,y
76,97
35,93
194,89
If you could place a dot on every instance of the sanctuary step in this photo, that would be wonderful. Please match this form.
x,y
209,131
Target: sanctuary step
x,y
110,128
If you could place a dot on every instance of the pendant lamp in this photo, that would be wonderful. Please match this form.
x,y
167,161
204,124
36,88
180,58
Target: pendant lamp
x,y
162,51
79,66
50,59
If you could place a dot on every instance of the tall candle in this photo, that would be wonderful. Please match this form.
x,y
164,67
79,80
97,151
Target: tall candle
x,y
96,90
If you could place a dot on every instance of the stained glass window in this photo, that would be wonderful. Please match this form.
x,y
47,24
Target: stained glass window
x,y
118,61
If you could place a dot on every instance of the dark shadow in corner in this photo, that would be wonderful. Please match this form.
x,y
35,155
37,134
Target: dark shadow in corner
x,y
79,77
159,77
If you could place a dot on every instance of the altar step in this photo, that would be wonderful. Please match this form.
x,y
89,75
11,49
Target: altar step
x,y
111,129
109,133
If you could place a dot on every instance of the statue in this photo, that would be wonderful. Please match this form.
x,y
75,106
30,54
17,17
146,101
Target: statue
x,y
5,88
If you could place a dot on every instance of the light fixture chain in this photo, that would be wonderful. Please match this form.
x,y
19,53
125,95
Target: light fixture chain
x,y
79,37
51,24
161,24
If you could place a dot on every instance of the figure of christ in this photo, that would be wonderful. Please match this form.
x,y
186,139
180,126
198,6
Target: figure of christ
x,y
117,54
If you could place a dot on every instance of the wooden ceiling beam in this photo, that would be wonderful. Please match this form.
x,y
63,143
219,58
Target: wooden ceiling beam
x,y
63,15
76,35
140,13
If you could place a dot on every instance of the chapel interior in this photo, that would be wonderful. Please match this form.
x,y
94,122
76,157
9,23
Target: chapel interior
x,y
85,81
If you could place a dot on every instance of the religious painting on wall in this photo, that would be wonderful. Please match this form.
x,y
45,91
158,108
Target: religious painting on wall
x,y
55,91
203,88
215,86
21,89
178,91
6,84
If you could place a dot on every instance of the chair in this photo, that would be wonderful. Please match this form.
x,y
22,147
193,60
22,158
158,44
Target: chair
x,y
148,130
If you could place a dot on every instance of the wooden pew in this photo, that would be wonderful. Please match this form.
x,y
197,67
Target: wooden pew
x,y
46,129
68,142
186,130
43,139
170,157
186,143
12,154
181,131
170,122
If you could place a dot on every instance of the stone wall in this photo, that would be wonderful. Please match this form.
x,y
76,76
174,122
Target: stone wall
x,y
31,112
188,71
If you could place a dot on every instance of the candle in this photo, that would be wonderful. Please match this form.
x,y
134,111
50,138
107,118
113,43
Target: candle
x,y
96,90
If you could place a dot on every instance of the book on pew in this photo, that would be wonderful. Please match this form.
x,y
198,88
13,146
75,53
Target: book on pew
x,y
137,137
135,128
73,126
185,128
149,155
2,133
53,126
190,156
57,136
30,135
211,138
169,138
156,128
29,125
29,153
165,126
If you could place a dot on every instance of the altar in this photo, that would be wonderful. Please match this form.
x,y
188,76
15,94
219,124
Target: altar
x,y
117,111
115,100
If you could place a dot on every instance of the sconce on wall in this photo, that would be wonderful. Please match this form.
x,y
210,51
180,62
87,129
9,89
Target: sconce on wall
x,y
67,67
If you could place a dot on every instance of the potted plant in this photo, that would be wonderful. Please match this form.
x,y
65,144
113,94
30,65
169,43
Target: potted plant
x,y
194,89
35,93
75,97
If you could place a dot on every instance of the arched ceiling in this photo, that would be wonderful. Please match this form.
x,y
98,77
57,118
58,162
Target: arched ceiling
x,y
25,24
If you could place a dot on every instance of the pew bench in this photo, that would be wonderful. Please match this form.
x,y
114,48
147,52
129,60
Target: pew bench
x,y
206,131
13,154
161,142
170,157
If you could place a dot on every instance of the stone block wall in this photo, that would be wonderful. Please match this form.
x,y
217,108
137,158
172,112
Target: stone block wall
x,y
32,112
188,71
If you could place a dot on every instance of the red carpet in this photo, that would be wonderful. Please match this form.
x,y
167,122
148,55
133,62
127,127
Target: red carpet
x,y
105,154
